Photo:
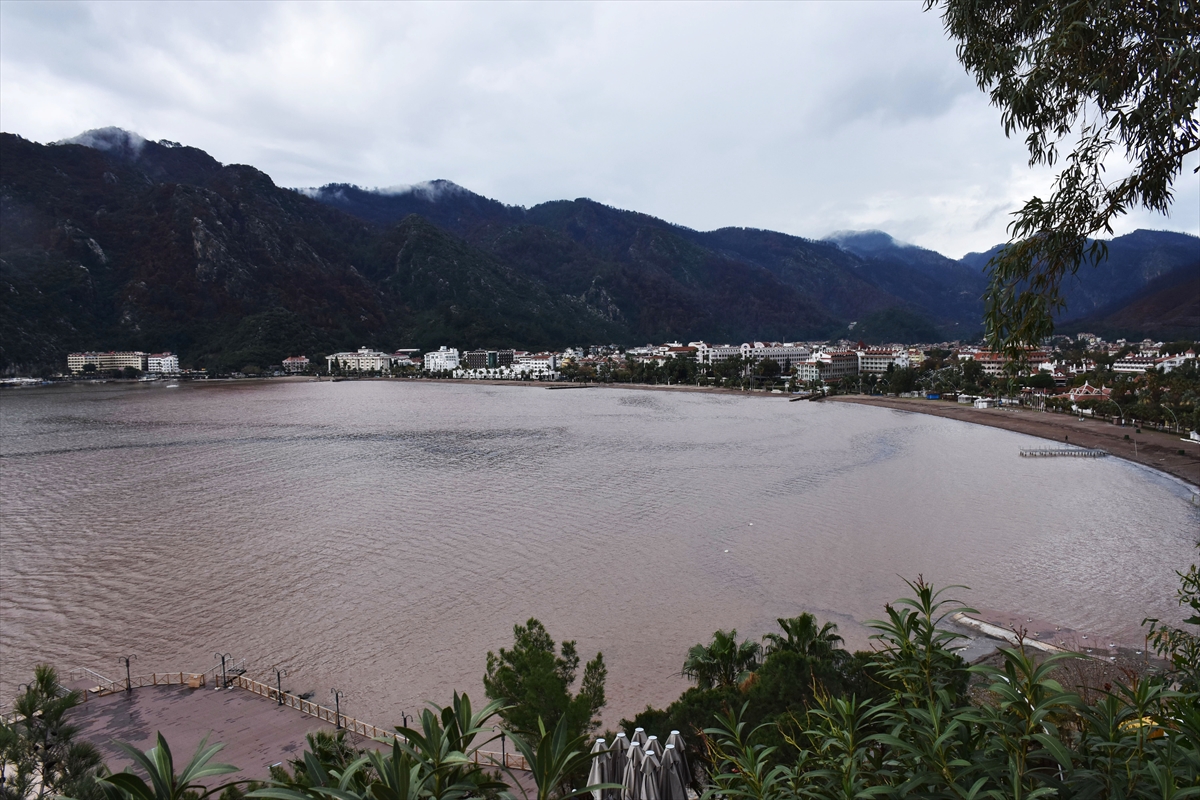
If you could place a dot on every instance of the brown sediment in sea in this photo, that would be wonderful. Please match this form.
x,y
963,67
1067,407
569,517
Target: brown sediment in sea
x,y
1157,449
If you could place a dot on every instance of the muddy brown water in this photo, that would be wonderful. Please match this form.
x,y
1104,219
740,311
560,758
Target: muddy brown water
x,y
381,537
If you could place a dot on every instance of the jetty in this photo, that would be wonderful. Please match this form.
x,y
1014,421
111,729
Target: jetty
x,y
1063,452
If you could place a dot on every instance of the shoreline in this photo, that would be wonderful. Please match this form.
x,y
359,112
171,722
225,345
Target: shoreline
x,y
1157,450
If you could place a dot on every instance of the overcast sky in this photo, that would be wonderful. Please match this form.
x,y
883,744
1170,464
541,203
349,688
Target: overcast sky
x,y
800,117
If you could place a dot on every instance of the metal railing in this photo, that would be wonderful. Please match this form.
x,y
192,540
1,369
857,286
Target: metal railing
x,y
79,673
106,687
357,726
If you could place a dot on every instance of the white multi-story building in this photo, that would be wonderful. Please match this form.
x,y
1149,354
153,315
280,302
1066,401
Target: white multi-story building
x,y
776,351
108,361
995,364
1133,365
406,357
751,351
443,359
363,360
877,361
294,365
163,363
537,367
828,366
712,353
1168,363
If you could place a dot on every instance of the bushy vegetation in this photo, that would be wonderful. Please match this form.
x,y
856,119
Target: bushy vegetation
x,y
40,756
533,683
794,717
922,737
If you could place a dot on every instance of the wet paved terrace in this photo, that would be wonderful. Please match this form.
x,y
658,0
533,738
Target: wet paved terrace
x,y
256,732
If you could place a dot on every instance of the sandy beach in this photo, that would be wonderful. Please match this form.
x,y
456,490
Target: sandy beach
x,y
1155,449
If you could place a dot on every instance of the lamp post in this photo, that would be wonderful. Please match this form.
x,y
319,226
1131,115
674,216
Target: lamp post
x,y
503,754
279,673
128,680
1172,413
1120,410
404,718
224,680
337,708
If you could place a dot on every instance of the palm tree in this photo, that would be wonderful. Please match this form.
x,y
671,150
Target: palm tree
x,y
722,662
436,759
554,757
38,752
444,747
801,635
160,769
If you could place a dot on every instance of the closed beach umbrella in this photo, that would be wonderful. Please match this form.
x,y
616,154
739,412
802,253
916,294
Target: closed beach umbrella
x,y
599,771
639,736
648,785
671,783
618,755
629,778
681,751
636,754
652,745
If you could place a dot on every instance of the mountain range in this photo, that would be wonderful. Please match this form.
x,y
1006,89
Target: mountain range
x,y
110,241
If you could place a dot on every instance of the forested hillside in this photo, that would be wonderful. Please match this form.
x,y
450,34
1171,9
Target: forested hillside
x,y
114,242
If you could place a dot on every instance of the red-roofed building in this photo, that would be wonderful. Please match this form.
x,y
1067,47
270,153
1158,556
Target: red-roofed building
x,y
293,365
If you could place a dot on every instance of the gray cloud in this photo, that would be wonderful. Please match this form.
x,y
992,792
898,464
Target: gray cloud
x,y
805,118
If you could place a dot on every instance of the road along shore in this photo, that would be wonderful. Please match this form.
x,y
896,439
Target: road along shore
x,y
1151,448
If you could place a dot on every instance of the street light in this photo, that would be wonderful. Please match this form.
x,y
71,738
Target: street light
x,y
224,680
337,708
279,673
128,680
1172,413
404,718
1120,410
503,754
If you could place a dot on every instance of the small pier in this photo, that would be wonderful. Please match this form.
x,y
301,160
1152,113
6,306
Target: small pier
x,y
1063,452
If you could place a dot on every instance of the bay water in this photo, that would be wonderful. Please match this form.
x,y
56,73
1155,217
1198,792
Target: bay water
x,y
379,537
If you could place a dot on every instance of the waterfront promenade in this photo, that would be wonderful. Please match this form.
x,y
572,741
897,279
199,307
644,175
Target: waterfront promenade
x,y
1156,449
256,732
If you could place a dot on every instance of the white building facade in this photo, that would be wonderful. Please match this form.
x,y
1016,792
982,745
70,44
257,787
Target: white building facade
x,y
163,363
776,351
540,367
876,362
712,353
108,361
294,365
828,366
444,359
362,360
1133,365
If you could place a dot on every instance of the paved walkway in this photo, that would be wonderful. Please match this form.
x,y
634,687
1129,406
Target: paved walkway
x,y
256,732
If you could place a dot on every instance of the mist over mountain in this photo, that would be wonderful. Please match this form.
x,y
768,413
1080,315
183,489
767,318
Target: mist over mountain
x,y
112,241
1134,261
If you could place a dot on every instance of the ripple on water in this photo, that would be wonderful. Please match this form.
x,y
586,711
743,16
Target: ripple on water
x,y
383,536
